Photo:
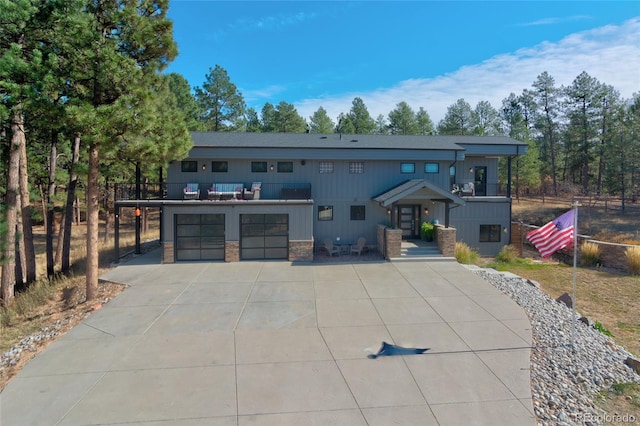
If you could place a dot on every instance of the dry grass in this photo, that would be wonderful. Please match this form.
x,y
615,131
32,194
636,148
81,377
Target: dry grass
x,y
465,254
589,254
633,260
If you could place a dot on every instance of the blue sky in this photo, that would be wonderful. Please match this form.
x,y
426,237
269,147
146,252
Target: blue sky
x,y
426,53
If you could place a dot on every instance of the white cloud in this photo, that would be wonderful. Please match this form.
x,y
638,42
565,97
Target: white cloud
x,y
610,54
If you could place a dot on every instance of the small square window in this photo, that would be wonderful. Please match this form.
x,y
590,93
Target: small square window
x,y
357,212
407,167
285,167
325,212
326,167
189,166
219,166
259,166
490,233
431,168
356,167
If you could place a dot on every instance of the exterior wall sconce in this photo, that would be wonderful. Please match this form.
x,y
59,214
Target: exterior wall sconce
x,y
504,229
470,169
271,167
204,167
389,212
303,162
426,211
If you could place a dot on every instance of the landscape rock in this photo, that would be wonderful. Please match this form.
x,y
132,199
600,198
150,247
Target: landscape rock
x,y
565,381
566,299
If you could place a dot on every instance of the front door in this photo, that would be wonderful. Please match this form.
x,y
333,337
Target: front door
x,y
408,217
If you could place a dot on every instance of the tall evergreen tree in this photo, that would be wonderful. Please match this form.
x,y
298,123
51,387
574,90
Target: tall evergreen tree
x,y
582,106
382,128
425,125
220,102
253,121
126,43
546,97
320,122
458,120
186,101
287,119
486,120
360,119
402,120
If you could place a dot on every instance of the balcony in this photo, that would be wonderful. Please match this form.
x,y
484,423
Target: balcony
x,y
174,191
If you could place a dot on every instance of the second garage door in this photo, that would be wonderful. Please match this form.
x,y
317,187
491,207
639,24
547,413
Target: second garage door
x,y
264,236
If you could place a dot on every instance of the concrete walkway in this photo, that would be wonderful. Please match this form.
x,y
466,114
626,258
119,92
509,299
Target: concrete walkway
x,y
275,343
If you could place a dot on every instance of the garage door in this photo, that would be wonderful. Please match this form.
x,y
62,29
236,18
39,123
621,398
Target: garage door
x,y
264,236
200,237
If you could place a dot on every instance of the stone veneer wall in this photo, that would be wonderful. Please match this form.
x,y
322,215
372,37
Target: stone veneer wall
x,y
393,238
168,253
301,251
232,251
446,238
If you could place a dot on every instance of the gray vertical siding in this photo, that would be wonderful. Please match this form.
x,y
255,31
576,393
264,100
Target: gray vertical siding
x,y
467,220
341,190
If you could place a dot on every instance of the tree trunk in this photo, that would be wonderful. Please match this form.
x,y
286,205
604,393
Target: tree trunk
x,y
93,209
29,259
50,217
68,213
9,260
21,264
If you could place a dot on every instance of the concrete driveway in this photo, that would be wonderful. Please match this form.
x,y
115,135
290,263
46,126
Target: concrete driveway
x,y
275,343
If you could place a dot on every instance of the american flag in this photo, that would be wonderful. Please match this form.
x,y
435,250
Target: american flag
x,y
555,235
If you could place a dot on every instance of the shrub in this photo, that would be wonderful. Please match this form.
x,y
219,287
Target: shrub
x,y
598,326
589,254
633,260
464,253
427,231
508,254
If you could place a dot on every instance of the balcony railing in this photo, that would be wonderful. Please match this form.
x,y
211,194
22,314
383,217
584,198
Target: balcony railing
x,y
174,191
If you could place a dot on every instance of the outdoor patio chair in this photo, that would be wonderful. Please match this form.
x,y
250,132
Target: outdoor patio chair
x,y
359,246
254,192
330,248
191,191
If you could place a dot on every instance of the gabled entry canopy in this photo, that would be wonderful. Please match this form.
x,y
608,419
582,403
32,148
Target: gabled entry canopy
x,y
410,187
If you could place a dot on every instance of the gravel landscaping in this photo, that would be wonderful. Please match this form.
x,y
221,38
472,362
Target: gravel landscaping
x,y
565,380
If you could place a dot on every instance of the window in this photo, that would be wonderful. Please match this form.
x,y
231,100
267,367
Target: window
x,y
407,167
490,233
431,167
452,176
219,166
189,166
357,212
326,167
356,167
285,167
259,166
325,212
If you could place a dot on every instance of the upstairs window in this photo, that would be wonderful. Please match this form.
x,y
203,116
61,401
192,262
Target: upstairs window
x,y
259,166
431,168
407,167
189,166
285,167
356,167
326,167
219,166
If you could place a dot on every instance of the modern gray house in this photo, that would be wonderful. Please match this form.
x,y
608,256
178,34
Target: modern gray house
x,y
241,196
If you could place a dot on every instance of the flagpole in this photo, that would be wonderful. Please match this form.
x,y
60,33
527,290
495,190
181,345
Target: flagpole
x,y
575,205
